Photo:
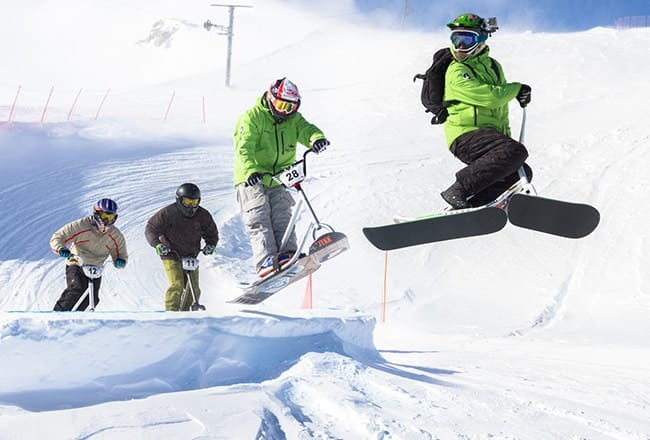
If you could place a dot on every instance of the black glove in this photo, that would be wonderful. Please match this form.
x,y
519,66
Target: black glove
x,y
254,179
64,252
162,249
119,263
319,145
208,249
524,95
439,113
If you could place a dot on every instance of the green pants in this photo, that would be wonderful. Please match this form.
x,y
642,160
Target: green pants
x,y
177,282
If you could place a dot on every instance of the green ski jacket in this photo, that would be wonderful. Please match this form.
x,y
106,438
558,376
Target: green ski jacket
x,y
266,146
479,87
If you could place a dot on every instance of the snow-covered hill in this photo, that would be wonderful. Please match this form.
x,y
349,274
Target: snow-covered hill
x,y
515,335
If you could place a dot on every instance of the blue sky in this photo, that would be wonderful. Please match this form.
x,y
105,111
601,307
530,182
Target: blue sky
x,y
538,15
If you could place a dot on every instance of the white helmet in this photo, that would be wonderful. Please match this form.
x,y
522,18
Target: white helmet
x,y
283,98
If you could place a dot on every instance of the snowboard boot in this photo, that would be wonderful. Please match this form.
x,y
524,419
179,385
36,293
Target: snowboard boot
x,y
274,263
455,195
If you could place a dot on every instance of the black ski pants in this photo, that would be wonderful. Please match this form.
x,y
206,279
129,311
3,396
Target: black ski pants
x,y
77,285
492,160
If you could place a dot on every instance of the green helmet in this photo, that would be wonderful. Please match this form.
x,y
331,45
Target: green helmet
x,y
469,33
469,21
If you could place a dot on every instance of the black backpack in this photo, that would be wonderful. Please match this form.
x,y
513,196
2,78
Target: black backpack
x,y
433,86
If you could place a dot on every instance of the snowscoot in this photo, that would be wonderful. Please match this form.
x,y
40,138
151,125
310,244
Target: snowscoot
x,y
326,242
323,247
189,264
92,272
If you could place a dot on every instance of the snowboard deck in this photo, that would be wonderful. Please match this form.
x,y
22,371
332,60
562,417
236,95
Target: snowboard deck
x,y
556,217
325,247
271,284
447,225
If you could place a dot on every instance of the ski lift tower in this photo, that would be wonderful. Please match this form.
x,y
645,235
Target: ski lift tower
x,y
223,30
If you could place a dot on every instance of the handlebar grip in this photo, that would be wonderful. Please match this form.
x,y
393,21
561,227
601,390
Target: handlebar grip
x,y
304,157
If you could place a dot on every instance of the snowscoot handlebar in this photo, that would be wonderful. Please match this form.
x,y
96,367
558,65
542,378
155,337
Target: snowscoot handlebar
x,y
291,175
91,271
189,263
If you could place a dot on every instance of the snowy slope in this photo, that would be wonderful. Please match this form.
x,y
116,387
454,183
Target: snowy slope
x,y
516,335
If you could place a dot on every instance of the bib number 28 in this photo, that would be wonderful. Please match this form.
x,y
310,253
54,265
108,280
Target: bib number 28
x,y
292,175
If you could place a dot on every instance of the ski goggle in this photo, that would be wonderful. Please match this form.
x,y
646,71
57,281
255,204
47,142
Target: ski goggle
x,y
106,217
190,203
465,40
284,107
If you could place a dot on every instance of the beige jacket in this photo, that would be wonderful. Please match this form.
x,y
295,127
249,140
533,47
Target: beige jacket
x,y
84,240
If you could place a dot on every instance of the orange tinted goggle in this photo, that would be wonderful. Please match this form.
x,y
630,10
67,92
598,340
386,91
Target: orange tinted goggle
x,y
284,107
190,203
107,218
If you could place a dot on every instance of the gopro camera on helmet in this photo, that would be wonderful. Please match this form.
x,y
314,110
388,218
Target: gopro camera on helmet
x,y
489,25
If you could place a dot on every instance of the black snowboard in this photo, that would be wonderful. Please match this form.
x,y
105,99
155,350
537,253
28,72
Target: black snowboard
x,y
444,226
557,217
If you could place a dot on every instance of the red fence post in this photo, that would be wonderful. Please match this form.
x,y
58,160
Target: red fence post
x,y
47,103
12,112
73,104
169,106
101,104
307,301
383,308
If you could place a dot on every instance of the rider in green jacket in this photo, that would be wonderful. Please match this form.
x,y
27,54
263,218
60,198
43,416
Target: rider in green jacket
x,y
483,94
478,127
265,138
264,144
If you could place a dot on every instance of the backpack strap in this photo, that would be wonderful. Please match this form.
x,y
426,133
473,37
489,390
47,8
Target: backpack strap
x,y
495,67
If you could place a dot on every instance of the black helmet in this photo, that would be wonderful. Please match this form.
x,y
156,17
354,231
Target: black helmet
x,y
188,197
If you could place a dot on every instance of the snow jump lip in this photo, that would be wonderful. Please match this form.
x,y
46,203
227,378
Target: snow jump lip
x,y
66,360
